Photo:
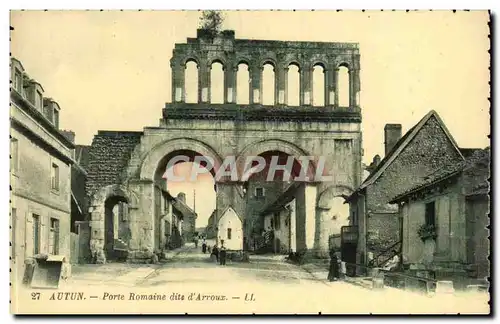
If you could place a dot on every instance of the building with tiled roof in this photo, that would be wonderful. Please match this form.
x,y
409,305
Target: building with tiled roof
x,y
455,203
424,152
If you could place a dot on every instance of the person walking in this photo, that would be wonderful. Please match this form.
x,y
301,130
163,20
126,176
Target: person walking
x,y
222,254
195,242
204,246
333,273
215,253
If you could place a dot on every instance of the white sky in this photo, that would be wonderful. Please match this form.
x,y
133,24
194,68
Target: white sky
x,y
110,70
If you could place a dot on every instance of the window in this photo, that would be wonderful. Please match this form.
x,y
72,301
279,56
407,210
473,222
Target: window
x,y
14,155
36,234
55,177
259,192
430,213
277,221
49,113
56,118
54,236
229,233
18,81
39,100
13,215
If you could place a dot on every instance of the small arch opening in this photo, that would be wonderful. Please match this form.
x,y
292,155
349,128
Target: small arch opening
x,y
343,86
293,85
318,98
191,82
268,84
243,84
217,83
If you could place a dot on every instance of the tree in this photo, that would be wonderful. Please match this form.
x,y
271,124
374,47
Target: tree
x,y
211,21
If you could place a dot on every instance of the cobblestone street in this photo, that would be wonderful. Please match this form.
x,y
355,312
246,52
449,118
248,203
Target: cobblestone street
x,y
267,278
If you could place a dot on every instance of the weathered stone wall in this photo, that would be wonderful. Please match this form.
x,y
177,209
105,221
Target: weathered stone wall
x,y
428,152
225,49
108,157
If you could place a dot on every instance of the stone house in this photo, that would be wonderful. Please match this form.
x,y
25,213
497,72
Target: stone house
x,y
454,201
230,230
188,217
425,148
211,229
41,158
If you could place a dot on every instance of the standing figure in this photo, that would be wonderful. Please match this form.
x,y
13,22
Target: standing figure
x,y
215,253
222,254
195,242
333,273
204,246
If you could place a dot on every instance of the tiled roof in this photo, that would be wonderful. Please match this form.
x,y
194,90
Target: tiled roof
x,y
82,155
401,144
287,196
447,171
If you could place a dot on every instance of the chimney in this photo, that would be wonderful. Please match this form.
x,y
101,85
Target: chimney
x,y
374,164
182,197
69,135
392,134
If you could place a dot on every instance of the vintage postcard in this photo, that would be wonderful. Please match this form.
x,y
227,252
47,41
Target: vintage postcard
x,y
250,162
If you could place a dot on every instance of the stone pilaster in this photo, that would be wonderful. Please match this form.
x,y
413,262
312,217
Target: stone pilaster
x,y
281,85
336,87
230,78
204,86
256,75
306,86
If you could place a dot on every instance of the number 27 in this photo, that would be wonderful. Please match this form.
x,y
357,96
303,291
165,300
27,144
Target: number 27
x,y
35,296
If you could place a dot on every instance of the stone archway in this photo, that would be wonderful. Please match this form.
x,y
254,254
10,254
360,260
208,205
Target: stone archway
x,y
152,187
263,146
153,160
103,228
331,215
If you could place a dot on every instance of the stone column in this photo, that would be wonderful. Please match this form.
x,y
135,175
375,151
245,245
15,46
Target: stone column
x,y
328,81
178,83
336,87
141,245
280,85
293,227
352,95
310,215
303,75
256,75
306,87
204,83
287,86
355,88
230,79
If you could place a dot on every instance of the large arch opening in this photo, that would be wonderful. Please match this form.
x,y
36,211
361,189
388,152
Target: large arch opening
x,y
268,84
185,198
243,84
293,85
191,82
276,184
217,83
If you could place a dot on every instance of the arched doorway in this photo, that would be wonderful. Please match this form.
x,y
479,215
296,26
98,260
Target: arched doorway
x,y
185,197
275,186
116,228
110,236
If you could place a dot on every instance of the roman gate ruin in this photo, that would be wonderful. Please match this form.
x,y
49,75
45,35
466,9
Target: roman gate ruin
x,y
263,114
